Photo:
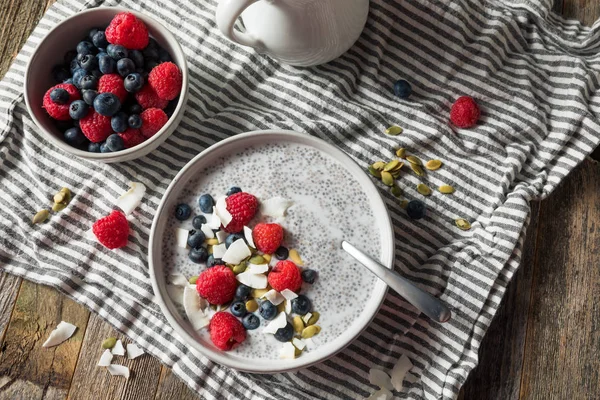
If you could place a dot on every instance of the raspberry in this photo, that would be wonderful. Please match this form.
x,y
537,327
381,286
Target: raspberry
x,y
132,137
267,237
166,80
226,331
153,119
147,98
128,31
217,284
242,206
112,83
60,111
112,231
285,275
464,112
95,127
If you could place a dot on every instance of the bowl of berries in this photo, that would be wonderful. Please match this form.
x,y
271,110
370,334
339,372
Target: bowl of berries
x,y
107,84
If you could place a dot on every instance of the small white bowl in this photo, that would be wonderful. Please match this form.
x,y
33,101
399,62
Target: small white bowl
x,y
210,156
64,37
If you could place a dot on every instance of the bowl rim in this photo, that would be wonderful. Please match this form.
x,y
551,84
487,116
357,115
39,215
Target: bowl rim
x,y
332,347
132,150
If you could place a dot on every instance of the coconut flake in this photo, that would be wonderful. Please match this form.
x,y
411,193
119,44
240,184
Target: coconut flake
x,y
288,294
105,359
381,394
280,321
219,250
298,343
236,252
248,236
213,221
118,370
273,261
399,371
306,317
255,281
287,351
224,215
274,297
275,207
310,344
118,349
181,236
132,198
133,351
221,236
257,268
288,307
175,293
208,232
194,307
380,378
62,332
178,280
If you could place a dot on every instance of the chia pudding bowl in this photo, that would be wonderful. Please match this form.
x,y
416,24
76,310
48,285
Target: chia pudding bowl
x,y
328,197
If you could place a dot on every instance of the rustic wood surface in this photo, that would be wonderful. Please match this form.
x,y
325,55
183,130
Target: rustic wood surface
x,y
543,343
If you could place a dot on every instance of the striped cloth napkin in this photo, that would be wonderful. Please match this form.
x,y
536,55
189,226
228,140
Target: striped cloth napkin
x,y
535,76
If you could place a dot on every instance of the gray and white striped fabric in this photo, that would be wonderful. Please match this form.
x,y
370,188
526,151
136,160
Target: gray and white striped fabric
x,y
535,76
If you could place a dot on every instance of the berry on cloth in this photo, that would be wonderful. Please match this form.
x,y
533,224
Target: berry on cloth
x,y
166,80
217,284
147,98
60,111
95,127
285,275
267,237
464,112
153,119
402,89
128,31
416,209
242,206
132,137
226,330
112,231
112,83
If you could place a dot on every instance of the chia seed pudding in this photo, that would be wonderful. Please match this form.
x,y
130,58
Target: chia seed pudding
x,y
328,206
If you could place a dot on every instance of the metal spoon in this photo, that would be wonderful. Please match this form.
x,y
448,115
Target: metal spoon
x,y
429,305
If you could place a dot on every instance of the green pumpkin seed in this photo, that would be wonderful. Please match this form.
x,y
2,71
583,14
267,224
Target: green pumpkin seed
x,y
392,165
404,204
238,269
295,257
374,172
212,242
401,152
258,293
257,260
298,324
310,331
267,258
297,352
433,165
60,197
281,307
193,280
414,160
314,318
378,165
41,216
387,178
109,343
446,189
251,305
396,191
463,224
423,189
56,207
395,174
393,130
417,170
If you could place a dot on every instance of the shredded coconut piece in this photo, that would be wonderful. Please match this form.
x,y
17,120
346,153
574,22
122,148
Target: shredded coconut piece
x,y
62,332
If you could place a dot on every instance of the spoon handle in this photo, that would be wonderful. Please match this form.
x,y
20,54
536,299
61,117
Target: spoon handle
x,y
429,305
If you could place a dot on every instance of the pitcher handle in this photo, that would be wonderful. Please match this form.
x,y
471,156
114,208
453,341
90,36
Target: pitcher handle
x,y
228,11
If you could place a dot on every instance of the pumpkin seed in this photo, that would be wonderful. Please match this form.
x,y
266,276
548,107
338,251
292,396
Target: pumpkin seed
x,y
414,160
417,170
310,331
297,352
393,130
401,152
423,189
238,269
60,197
257,260
56,207
378,165
391,165
432,165
193,280
387,178
212,242
463,224
404,204
41,216
267,257
109,343
395,174
209,249
258,293
374,172
295,257
446,189
396,191
298,324
67,193
251,305
281,307
313,318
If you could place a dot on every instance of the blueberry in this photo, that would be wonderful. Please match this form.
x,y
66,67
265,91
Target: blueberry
x,y
198,220
89,96
137,57
416,209
250,322
163,55
150,53
135,109
152,44
69,56
104,148
125,66
134,121
285,334
91,33
60,73
211,261
64,125
102,53
195,239
198,255
78,109
238,309
93,147
116,51
183,211
402,89
301,305
282,253
233,190
242,292
70,81
97,73
106,64
206,203
143,73
59,96
85,47
267,310
232,238
150,65
99,40
89,82
78,76
107,104
115,142
133,82
170,108
309,276
75,137
118,122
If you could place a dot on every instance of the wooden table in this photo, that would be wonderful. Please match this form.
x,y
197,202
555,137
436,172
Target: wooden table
x,y
543,344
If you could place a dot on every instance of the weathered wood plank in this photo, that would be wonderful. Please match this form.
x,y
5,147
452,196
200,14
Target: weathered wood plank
x,y
9,289
171,387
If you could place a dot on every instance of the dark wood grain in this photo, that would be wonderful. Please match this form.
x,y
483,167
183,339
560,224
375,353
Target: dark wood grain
x,y
9,288
171,387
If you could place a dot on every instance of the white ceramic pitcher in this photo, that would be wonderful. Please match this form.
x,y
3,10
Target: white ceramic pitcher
x,y
296,32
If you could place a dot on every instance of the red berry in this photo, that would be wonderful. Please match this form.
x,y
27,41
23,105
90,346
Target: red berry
x,y
285,275
128,31
217,284
153,119
60,111
112,231
226,330
95,127
166,80
267,237
464,112
112,83
242,206
132,137
147,98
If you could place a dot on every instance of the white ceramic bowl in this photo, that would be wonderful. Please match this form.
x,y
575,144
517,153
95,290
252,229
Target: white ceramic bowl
x,y
168,203
64,37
